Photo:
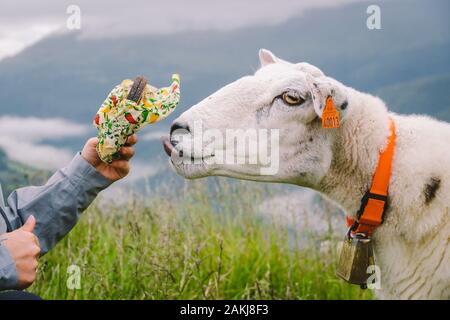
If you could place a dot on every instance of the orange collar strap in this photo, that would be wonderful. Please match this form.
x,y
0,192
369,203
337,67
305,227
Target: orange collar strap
x,y
373,204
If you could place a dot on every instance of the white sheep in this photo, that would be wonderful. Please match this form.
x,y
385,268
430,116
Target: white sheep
x,y
412,246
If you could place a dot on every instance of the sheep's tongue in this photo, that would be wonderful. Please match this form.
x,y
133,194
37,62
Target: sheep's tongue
x,y
168,147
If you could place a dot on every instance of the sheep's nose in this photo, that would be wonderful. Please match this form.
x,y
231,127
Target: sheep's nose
x,y
178,128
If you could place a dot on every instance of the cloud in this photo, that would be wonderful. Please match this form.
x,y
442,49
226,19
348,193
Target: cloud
x,y
22,139
26,140
14,39
24,22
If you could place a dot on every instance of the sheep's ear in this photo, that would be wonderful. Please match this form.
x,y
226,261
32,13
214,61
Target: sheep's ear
x,y
266,57
323,87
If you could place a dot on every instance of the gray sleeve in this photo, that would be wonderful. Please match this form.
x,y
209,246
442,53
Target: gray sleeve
x,y
58,204
8,274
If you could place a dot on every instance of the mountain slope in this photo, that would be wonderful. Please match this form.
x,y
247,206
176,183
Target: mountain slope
x,y
14,175
430,95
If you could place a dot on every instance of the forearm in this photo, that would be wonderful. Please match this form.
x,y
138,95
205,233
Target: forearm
x,y
58,204
8,274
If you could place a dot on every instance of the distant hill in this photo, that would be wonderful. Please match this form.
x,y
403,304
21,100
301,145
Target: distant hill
x,y
14,175
430,95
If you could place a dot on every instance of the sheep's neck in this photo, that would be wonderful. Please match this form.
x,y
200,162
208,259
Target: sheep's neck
x,y
356,150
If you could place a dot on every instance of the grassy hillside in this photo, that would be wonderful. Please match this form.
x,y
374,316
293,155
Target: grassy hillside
x,y
14,175
205,243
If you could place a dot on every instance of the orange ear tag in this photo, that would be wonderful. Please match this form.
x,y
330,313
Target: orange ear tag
x,y
330,116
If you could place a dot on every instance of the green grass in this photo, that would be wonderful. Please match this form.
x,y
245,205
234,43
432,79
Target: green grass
x,y
208,242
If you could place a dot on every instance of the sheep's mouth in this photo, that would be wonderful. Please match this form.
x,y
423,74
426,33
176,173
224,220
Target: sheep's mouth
x,y
187,166
169,148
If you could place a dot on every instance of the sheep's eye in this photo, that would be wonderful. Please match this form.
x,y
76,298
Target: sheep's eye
x,y
292,98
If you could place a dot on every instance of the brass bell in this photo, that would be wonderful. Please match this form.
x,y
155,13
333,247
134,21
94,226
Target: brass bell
x,y
356,256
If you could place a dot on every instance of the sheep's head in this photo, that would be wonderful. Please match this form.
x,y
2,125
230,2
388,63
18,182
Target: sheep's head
x,y
264,127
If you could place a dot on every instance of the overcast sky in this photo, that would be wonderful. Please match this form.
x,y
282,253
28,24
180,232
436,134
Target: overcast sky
x,y
24,22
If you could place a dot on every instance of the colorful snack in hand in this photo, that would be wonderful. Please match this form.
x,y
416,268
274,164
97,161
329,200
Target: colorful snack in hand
x,y
129,107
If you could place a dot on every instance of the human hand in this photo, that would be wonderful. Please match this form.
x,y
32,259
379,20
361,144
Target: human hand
x,y
117,169
24,248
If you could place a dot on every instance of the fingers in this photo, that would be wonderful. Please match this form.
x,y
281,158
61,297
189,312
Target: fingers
x,y
33,241
89,152
37,251
28,227
38,245
29,224
92,141
27,272
27,279
34,249
121,165
126,153
131,141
